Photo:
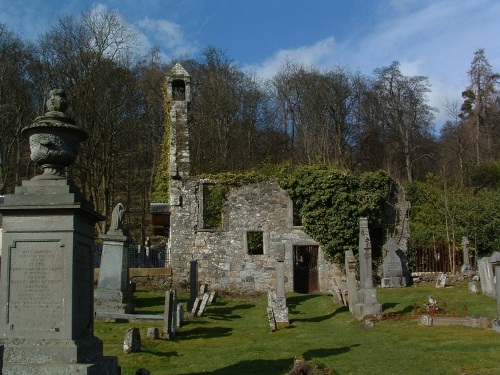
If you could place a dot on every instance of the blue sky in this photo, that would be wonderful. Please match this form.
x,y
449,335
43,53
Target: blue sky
x,y
433,38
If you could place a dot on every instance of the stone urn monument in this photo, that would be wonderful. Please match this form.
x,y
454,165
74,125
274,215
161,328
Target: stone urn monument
x,y
46,287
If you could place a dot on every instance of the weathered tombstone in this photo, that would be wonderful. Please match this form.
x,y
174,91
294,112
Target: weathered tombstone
x,y
153,333
114,292
426,320
466,267
351,287
196,305
174,312
486,277
203,304
441,280
132,341
168,330
473,287
211,298
180,315
395,266
496,322
47,278
367,303
270,317
280,309
193,284
203,287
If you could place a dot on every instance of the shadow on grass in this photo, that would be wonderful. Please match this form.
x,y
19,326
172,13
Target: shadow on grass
x,y
224,312
408,309
159,353
295,301
203,333
142,304
279,366
317,319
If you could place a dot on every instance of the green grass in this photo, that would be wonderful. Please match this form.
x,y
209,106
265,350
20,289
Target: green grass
x,y
233,337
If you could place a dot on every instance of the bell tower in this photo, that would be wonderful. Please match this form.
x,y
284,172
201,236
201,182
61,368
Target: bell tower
x,y
178,100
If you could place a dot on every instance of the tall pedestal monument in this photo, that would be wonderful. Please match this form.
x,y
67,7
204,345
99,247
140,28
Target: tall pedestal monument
x,y
46,288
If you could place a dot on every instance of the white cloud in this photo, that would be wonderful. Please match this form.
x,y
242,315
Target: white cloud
x,y
316,54
167,35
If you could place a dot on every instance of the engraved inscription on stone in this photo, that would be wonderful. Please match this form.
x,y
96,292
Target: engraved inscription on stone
x,y
36,298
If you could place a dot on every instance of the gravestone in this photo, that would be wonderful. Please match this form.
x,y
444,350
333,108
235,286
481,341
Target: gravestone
x,y
486,277
351,294
47,278
132,341
170,314
496,322
466,267
114,292
280,309
367,303
395,266
180,315
193,284
211,298
153,333
196,305
203,304
441,280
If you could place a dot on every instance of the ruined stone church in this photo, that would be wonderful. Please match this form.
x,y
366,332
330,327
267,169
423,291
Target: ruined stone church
x,y
257,230
257,227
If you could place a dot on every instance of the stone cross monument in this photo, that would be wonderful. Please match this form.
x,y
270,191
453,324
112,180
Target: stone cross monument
x,y
367,302
46,288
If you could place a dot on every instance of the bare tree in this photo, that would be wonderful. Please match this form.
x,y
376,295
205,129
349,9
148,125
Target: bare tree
x,y
406,115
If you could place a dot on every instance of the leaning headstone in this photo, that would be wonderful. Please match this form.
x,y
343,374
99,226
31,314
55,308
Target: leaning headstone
x,y
196,305
367,303
203,287
132,341
395,266
180,315
211,298
203,304
47,277
114,292
193,284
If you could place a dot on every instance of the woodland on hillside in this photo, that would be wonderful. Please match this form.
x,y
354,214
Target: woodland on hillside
x,y
302,116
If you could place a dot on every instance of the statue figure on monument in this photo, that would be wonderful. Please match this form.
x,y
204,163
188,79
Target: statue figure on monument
x,y
117,218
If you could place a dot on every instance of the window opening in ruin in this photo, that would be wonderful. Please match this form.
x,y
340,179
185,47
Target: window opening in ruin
x,y
211,206
255,243
178,90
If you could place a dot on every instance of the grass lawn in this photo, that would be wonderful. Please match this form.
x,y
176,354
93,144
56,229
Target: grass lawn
x,y
233,337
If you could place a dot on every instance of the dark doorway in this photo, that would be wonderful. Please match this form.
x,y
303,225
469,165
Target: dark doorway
x,y
305,269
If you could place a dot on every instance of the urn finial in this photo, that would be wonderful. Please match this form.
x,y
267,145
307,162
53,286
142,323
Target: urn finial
x,y
54,138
